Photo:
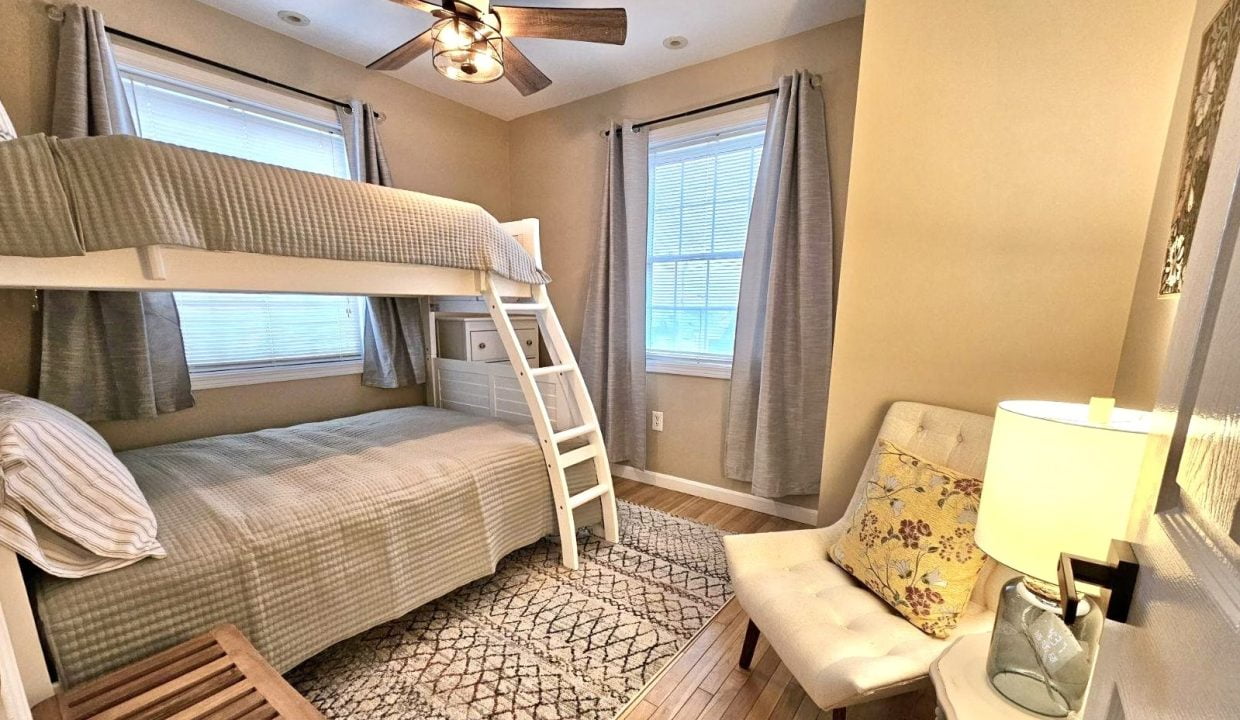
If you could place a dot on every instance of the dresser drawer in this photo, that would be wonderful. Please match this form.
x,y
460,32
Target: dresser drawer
x,y
475,339
529,341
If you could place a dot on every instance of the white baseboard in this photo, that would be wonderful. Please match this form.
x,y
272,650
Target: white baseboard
x,y
713,492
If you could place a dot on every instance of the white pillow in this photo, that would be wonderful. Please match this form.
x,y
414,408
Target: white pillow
x,y
67,503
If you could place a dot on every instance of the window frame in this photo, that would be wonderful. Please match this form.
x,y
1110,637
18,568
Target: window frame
x,y
213,85
673,139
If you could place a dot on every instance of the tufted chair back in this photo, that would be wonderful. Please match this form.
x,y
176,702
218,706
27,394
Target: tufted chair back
x,y
956,439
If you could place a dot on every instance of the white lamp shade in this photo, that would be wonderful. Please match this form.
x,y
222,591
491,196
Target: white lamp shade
x,y
1055,482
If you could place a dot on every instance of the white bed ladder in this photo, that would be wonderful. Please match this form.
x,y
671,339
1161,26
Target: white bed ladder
x,y
565,366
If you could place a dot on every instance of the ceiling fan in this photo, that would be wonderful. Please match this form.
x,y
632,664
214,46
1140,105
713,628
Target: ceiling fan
x,y
470,41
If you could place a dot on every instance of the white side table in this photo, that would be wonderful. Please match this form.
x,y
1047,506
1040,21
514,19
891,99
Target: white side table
x,y
964,693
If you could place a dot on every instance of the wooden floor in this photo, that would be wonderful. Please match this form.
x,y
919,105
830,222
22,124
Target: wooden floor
x,y
726,517
703,682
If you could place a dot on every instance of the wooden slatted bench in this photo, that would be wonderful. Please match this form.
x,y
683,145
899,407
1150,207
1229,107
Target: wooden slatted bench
x,y
216,676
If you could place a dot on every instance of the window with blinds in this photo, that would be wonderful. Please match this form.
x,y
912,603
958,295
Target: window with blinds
x,y
702,177
234,331
177,113
242,338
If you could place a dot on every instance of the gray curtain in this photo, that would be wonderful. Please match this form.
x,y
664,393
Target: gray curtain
x,y
367,161
393,350
113,355
89,99
782,358
613,338
106,355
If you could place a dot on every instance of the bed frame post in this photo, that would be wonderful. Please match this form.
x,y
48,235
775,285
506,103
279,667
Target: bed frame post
x,y
526,233
24,680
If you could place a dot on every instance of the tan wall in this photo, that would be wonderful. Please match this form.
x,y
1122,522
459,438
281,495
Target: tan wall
x,y
1151,315
558,163
434,146
1003,170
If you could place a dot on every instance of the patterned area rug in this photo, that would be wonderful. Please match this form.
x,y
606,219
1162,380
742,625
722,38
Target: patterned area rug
x,y
535,640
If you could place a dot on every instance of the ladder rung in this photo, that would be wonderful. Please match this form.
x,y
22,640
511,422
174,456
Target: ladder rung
x,y
575,457
524,307
571,433
586,496
551,370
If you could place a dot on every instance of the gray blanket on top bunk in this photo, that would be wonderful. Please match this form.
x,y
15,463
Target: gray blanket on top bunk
x,y
67,197
308,535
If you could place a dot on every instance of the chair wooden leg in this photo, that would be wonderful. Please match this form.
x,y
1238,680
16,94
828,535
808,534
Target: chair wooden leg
x,y
751,641
839,713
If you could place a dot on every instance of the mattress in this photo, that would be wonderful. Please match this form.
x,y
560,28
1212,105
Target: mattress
x,y
307,535
67,197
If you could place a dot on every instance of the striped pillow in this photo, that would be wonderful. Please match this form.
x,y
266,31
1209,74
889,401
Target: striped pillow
x,y
67,503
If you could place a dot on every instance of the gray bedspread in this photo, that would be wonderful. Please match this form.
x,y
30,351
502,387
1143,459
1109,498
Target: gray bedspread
x,y
308,535
126,192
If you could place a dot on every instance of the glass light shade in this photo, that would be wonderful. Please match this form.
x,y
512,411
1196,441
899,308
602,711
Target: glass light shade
x,y
1058,482
469,50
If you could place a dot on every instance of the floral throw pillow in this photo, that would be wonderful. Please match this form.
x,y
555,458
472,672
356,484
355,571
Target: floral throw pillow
x,y
910,539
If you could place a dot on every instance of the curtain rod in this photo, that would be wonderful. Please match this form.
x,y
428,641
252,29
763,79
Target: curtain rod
x,y
227,68
55,13
704,108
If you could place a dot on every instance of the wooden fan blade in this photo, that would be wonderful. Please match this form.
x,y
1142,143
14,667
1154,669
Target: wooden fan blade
x,y
602,25
523,74
419,5
401,56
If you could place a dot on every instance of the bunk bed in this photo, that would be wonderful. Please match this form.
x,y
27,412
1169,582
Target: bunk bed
x,y
456,492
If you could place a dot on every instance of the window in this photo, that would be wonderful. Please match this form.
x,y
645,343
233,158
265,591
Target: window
x,y
702,177
242,338
229,336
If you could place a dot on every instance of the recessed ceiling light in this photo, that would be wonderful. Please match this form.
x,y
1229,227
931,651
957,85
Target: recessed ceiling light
x,y
293,18
675,42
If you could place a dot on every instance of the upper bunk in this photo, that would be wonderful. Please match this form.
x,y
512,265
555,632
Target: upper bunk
x,y
124,213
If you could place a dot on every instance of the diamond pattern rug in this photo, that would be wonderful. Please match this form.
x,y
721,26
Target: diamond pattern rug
x,y
535,641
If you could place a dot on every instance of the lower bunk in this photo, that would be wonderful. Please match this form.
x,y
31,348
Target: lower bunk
x,y
305,536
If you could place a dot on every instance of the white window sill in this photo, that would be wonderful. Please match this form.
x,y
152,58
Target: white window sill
x,y
258,376
664,366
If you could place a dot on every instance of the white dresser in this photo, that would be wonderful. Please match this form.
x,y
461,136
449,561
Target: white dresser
x,y
475,339
471,372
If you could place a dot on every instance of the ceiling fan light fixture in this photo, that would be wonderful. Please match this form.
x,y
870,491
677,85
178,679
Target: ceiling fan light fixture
x,y
468,49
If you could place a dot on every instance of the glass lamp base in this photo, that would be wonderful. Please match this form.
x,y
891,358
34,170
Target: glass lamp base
x,y
1036,660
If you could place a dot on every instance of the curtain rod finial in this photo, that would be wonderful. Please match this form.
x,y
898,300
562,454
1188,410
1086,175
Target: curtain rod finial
x,y
54,12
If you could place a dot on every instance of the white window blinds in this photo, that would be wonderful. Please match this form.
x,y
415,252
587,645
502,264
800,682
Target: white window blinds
x,y
174,113
702,179
232,331
240,338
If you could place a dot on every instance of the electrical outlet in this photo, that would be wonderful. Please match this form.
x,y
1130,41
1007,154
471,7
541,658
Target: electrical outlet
x,y
656,420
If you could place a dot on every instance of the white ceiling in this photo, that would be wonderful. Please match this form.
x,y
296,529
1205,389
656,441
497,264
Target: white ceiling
x,y
364,30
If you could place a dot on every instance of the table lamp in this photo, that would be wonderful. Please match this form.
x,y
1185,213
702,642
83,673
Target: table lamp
x,y
1060,477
